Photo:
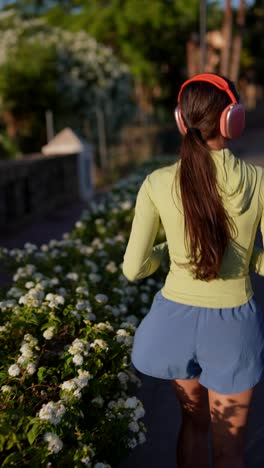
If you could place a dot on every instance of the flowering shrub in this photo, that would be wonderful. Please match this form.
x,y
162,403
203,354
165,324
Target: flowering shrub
x,y
66,332
67,72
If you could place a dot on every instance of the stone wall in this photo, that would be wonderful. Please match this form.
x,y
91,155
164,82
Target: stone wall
x,y
35,186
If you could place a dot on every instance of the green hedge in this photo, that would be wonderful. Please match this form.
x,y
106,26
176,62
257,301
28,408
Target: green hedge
x,y
67,325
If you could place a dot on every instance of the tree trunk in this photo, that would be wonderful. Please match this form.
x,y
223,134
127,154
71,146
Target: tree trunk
x,y
227,35
237,43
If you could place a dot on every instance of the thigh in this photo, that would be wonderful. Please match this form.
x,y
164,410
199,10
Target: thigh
x,y
193,398
229,416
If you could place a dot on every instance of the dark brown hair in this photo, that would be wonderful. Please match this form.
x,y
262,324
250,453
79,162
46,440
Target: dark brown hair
x,y
208,228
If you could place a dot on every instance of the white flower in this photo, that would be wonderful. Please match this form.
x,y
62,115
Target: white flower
x,y
103,326
33,298
78,359
151,281
72,276
53,243
123,308
68,385
10,303
28,337
15,292
144,298
79,347
77,393
95,278
123,377
49,333
92,265
90,316
86,460
86,250
131,402
52,412
139,412
134,378
132,443
29,284
132,319
26,351
54,300
22,359
83,305
6,389
115,311
57,268
120,238
99,221
141,437
62,291
31,368
100,344
14,370
81,290
101,298
79,225
54,442
84,377
75,314
111,267
122,336
98,401
54,281
133,426
126,205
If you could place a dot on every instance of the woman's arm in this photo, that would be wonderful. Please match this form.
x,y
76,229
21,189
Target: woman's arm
x,y
257,260
257,257
141,259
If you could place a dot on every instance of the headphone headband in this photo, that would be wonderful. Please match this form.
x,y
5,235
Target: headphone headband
x,y
216,80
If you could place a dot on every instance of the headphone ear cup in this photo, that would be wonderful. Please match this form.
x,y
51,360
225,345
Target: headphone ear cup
x,y
232,121
179,121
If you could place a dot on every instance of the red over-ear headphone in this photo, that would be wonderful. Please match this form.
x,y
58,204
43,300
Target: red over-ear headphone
x,y
232,120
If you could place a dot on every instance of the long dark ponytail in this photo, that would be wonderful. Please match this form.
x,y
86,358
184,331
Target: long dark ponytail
x,y
208,228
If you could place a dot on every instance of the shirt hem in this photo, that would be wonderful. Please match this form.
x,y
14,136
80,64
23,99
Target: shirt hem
x,y
206,301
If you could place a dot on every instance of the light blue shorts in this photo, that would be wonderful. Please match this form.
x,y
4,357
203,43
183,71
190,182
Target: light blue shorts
x,y
223,346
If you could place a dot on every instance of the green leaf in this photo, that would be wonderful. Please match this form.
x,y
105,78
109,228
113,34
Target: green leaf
x,y
42,373
2,442
34,433
11,459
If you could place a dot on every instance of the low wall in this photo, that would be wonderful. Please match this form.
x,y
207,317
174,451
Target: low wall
x,y
34,186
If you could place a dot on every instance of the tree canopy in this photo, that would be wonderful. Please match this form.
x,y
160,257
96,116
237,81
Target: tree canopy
x,y
148,35
43,67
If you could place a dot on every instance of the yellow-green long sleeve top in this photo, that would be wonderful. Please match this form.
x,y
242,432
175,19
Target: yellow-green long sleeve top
x,y
241,186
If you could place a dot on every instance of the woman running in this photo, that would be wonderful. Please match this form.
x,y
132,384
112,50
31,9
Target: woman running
x,y
204,330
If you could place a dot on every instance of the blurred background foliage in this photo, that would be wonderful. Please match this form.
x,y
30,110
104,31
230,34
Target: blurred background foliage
x,y
149,36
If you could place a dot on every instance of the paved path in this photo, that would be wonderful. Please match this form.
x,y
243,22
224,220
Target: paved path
x,y
163,416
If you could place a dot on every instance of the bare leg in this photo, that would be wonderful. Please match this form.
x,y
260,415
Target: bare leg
x,y
229,414
192,446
